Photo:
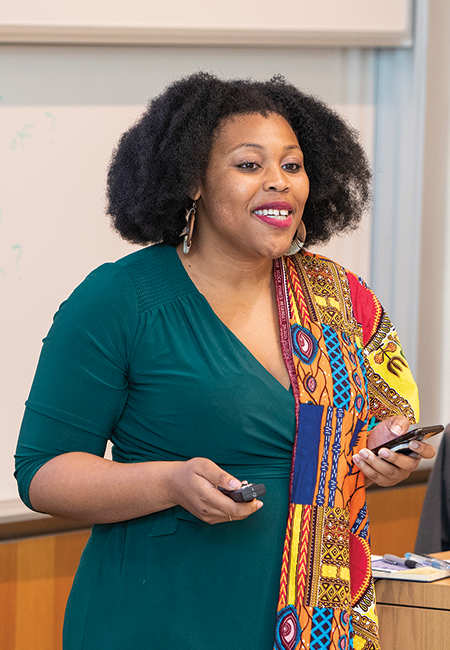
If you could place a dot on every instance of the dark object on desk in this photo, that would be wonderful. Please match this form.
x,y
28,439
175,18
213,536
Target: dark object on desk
x,y
433,535
400,561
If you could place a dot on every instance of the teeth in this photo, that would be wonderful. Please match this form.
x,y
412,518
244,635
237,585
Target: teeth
x,y
273,213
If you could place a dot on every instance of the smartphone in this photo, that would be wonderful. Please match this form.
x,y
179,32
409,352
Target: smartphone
x,y
401,443
247,492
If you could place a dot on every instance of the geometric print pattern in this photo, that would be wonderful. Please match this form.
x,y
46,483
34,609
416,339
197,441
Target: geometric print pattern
x,y
341,382
336,448
321,628
287,629
334,589
327,432
325,324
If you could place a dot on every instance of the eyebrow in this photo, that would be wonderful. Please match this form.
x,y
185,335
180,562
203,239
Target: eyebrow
x,y
253,145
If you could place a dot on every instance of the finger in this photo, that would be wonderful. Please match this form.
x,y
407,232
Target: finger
x,y
382,472
244,510
407,462
377,469
394,476
233,511
216,475
423,449
397,424
212,474
388,429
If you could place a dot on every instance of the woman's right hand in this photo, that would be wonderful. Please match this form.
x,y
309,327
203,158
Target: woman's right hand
x,y
193,485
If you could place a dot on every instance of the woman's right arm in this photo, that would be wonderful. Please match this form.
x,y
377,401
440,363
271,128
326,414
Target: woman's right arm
x,y
96,490
78,397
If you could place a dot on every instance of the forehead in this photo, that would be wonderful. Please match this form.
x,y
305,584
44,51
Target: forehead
x,y
253,128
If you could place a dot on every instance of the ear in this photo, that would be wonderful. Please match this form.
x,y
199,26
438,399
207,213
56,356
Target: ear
x,y
197,195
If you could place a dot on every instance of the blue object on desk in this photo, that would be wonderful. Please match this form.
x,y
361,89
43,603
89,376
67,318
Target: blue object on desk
x,y
401,561
428,561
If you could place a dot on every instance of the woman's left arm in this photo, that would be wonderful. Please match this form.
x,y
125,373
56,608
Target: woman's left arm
x,y
392,392
389,467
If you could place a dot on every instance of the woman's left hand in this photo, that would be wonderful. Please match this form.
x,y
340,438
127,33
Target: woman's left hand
x,y
389,467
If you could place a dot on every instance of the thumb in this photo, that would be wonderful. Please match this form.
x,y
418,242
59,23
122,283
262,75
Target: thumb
x,y
216,475
227,481
398,424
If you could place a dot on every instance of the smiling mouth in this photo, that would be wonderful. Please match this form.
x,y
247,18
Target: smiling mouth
x,y
275,217
274,214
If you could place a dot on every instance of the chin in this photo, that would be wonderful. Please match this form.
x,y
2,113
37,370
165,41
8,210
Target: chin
x,y
274,252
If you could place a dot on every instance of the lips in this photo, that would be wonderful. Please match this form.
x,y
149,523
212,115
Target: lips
x,y
275,205
275,213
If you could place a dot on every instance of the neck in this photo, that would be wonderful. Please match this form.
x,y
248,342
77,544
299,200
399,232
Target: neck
x,y
221,269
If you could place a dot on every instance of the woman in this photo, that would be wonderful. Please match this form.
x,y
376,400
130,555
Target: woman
x,y
223,354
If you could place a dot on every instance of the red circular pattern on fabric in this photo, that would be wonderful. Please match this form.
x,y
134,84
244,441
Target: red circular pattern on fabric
x,y
360,567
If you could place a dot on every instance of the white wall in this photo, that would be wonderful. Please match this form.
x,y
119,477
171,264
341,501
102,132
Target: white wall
x,y
62,108
434,312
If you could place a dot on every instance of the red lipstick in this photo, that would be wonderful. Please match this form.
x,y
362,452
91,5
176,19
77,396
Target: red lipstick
x,y
275,205
270,213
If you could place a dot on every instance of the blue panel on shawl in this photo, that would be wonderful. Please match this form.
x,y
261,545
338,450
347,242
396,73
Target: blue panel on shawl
x,y
355,437
341,383
307,453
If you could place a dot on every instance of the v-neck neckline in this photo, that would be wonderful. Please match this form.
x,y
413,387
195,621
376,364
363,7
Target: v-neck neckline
x,y
225,327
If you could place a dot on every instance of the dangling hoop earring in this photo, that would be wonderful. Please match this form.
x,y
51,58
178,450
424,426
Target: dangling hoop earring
x,y
297,244
190,219
295,247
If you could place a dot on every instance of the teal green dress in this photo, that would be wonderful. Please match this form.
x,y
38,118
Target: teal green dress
x,y
137,356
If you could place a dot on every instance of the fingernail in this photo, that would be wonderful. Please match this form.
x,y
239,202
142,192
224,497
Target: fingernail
x,y
396,429
259,504
383,453
356,459
364,453
234,483
414,445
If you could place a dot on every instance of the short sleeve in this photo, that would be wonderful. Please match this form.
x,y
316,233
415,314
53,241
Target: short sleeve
x,y
81,383
391,386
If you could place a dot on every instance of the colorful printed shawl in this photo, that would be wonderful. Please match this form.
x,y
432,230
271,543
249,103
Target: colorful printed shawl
x,y
348,372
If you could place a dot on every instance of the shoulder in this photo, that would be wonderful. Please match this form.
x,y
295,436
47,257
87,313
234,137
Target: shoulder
x,y
157,275
366,307
311,260
139,281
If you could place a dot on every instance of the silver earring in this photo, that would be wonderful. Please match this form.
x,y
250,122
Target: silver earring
x,y
190,219
295,247
297,243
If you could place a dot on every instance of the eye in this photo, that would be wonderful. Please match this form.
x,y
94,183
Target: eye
x,y
248,165
292,167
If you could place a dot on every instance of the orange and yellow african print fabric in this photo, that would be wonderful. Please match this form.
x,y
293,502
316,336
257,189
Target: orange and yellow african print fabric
x,y
348,372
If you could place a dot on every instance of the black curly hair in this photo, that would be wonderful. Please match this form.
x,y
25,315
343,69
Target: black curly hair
x,y
163,158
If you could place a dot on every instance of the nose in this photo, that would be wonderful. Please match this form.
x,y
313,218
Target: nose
x,y
275,181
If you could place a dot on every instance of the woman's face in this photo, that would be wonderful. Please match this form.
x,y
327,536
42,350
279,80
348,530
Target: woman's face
x,y
255,188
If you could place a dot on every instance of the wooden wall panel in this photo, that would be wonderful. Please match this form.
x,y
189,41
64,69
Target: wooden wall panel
x,y
394,518
35,594
35,579
8,594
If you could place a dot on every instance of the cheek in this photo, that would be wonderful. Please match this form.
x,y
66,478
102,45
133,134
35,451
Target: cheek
x,y
302,189
230,194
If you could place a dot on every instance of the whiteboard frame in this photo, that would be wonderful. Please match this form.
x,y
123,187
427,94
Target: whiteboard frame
x,y
99,35
93,22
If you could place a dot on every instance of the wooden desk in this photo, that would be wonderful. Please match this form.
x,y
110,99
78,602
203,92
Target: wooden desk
x,y
414,615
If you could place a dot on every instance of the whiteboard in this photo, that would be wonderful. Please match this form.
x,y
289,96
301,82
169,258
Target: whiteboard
x,y
53,162
297,22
